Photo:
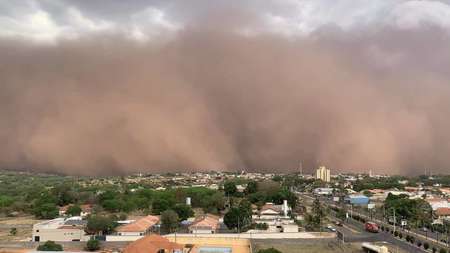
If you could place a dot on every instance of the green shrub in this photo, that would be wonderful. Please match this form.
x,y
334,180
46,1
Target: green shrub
x,y
396,233
426,245
13,231
92,245
442,251
269,250
261,226
50,246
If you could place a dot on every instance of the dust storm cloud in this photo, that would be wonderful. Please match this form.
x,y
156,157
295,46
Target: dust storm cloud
x,y
212,98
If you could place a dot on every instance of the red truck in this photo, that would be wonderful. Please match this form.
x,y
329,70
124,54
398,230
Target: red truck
x,y
371,227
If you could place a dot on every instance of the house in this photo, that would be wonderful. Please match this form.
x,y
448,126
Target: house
x,y
207,224
437,203
85,210
270,212
142,226
153,244
442,212
60,230
275,216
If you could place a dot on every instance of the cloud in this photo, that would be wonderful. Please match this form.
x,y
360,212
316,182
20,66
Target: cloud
x,y
151,23
33,22
413,14
142,20
335,84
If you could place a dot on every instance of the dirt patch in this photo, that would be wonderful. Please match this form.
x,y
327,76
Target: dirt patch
x,y
299,247
23,226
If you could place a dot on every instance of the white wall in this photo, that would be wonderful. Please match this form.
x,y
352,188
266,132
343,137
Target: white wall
x,y
60,235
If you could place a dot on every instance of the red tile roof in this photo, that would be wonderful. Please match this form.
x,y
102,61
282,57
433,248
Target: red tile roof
x,y
141,225
208,220
443,211
271,207
152,244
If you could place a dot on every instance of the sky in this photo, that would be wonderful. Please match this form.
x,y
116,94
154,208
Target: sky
x,y
113,87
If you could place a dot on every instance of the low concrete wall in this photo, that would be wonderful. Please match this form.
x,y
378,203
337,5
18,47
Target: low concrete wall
x,y
122,238
258,235
294,235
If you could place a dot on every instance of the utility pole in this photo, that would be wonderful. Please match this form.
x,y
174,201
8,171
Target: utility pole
x,y
395,221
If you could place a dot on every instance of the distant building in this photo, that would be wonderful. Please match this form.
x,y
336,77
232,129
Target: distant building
x,y
323,174
85,210
207,224
357,199
60,230
323,191
142,226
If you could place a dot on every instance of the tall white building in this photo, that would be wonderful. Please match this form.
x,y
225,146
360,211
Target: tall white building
x,y
323,174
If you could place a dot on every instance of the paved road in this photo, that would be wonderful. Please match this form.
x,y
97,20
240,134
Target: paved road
x,y
354,231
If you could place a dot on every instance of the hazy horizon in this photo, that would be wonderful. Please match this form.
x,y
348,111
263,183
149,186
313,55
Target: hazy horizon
x,y
108,87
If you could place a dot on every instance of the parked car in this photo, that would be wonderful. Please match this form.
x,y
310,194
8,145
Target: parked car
x,y
371,227
332,229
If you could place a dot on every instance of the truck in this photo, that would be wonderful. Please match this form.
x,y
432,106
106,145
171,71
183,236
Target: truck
x,y
371,227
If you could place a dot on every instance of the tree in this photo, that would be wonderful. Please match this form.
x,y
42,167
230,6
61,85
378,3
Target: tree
x,y
230,188
64,194
97,224
169,220
252,187
239,217
74,210
13,231
46,211
245,210
93,245
50,246
416,211
232,218
184,211
112,205
269,250
160,205
315,219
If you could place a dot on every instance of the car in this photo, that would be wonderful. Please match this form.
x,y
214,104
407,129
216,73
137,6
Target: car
x,y
332,229
338,223
371,227
424,229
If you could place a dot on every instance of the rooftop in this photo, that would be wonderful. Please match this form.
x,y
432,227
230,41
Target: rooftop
x,y
152,244
140,225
